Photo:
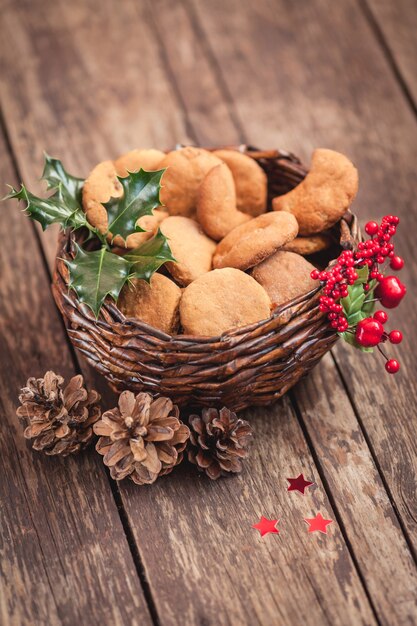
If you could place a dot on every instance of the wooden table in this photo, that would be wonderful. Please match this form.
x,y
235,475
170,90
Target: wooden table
x,y
89,80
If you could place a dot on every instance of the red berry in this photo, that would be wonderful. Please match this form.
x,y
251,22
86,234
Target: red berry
x,y
371,228
381,316
395,336
369,332
397,263
315,274
390,291
392,366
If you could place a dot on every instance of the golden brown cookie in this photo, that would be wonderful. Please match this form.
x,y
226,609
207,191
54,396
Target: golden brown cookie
x,y
325,194
99,187
222,300
133,161
308,245
192,249
249,244
284,276
250,181
186,168
216,204
155,304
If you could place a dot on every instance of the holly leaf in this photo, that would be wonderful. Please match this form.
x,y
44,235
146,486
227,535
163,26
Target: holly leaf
x,y
356,306
52,210
140,196
147,258
57,178
63,207
354,301
96,275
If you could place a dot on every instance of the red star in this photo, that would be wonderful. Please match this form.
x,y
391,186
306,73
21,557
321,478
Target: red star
x,y
299,483
266,526
318,523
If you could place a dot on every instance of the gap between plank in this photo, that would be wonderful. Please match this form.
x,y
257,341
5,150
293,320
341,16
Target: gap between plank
x,y
216,69
133,549
332,501
375,459
140,568
189,129
388,55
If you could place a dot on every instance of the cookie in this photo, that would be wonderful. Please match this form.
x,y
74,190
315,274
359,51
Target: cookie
x,y
222,300
135,160
284,276
325,194
101,185
308,245
150,224
250,181
191,248
249,244
216,204
156,304
186,169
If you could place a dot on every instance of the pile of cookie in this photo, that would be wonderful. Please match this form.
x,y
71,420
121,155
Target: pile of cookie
x,y
235,261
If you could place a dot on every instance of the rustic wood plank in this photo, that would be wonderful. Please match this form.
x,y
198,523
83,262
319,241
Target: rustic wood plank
x,y
59,523
251,28
395,24
83,107
223,571
320,570
338,441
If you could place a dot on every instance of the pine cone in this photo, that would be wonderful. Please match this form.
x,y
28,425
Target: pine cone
x,y
58,419
142,438
218,441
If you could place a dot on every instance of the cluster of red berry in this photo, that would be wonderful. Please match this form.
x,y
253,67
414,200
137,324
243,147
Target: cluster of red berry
x,y
389,290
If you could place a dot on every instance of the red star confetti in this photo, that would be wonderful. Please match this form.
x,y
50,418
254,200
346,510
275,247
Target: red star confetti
x,y
318,523
299,483
266,526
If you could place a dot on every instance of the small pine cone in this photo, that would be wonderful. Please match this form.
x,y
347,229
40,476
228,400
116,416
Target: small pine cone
x,y
142,438
57,418
218,442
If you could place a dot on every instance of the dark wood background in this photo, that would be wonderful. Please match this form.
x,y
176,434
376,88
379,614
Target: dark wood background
x,y
89,80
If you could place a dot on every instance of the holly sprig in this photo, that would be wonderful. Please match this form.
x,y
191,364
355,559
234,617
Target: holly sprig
x,y
95,275
355,282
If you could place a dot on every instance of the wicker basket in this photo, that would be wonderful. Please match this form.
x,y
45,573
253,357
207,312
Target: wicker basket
x,y
253,365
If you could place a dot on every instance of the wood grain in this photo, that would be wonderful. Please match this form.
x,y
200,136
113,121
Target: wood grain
x,y
395,23
361,499
59,523
224,572
317,605
255,31
385,161
213,72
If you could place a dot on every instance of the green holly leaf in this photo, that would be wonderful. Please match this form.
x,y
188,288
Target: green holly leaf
x,y
96,275
140,196
51,210
357,306
63,207
354,301
57,178
147,258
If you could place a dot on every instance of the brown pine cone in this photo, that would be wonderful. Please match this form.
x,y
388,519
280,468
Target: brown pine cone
x,y
218,441
58,418
142,438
